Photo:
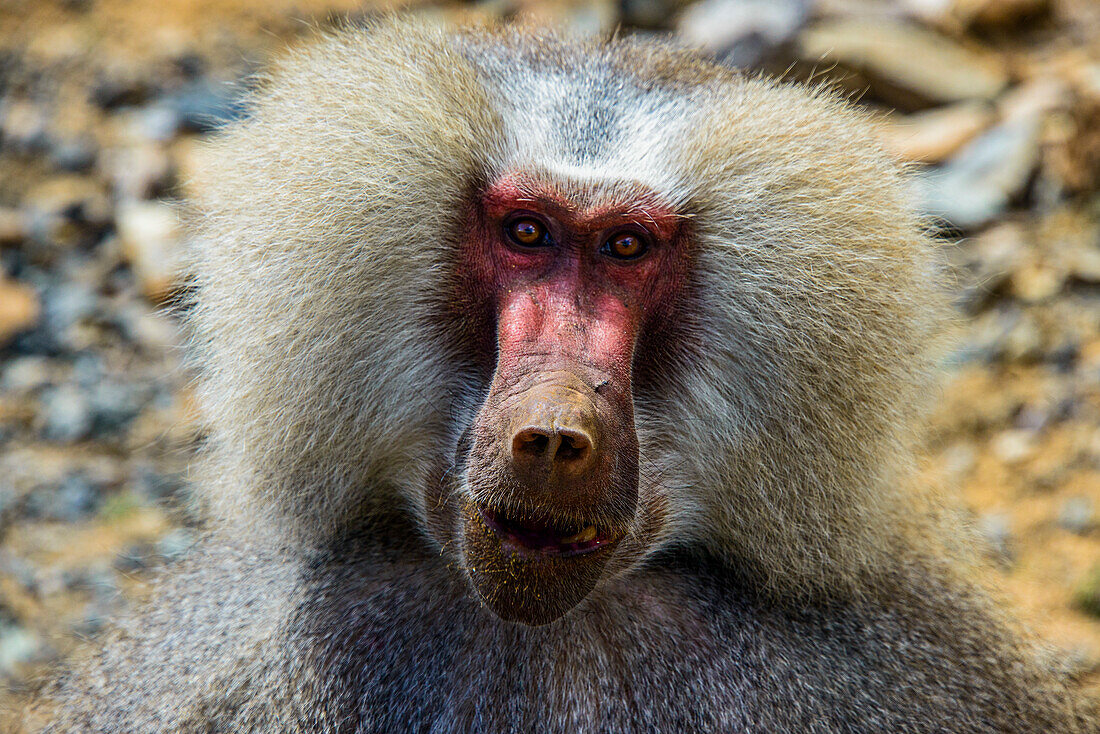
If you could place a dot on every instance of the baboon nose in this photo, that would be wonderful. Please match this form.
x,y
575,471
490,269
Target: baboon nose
x,y
559,447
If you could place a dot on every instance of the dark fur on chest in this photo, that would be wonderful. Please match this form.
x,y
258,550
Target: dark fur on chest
x,y
683,644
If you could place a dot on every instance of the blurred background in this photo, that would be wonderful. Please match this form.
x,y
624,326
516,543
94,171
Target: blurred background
x,y
996,103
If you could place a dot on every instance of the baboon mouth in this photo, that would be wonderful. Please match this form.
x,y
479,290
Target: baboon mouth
x,y
526,536
530,570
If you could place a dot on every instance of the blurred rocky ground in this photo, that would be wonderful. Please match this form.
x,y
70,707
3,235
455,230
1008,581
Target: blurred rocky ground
x,y
996,103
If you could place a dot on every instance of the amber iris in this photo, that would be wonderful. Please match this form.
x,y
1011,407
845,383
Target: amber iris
x,y
527,232
625,246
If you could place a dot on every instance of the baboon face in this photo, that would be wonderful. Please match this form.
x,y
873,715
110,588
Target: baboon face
x,y
552,464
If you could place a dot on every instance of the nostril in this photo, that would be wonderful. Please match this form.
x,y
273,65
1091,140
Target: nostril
x,y
530,442
566,447
573,447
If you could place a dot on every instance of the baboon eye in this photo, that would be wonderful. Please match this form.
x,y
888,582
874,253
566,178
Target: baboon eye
x,y
528,232
625,245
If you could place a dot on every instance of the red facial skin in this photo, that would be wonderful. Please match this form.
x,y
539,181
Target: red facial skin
x,y
568,317
569,303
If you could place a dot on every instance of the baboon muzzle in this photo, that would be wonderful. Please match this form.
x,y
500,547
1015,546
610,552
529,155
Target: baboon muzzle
x,y
553,479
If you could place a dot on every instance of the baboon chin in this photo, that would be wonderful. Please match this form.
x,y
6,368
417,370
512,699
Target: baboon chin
x,y
560,386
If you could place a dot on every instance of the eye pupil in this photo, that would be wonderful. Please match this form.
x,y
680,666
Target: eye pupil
x,y
626,245
527,232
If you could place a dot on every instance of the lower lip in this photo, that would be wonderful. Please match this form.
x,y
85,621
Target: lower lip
x,y
513,542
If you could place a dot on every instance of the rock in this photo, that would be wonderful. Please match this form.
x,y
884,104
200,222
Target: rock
x,y
1023,339
13,228
155,331
206,106
980,181
987,261
1075,150
932,136
743,33
159,123
1014,445
75,498
998,13
19,309
119,87
67,305
156,486
959,15
62,209
139,171
23,126
1036,97
114,405
88,370
65,414
1037,280
1084,264
17,647
25,373
1078,515
150,239
906,65
74,156
651,14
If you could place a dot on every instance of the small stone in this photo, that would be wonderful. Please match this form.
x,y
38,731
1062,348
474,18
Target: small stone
x,y
25,373
17,647
1037,281
159,123
152,330
1078,515
1034,98
998,13
138,172
75,498
117,90
156,486
23,126
932,136
113,405
66,306
13,228
987,261
1084,263
980,181
906,65
743,33
61,210
1014,445
19,309
150,239
205,106
65,414
88,370
75,156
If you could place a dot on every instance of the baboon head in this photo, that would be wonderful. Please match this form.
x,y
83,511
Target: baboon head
x,y
563,304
